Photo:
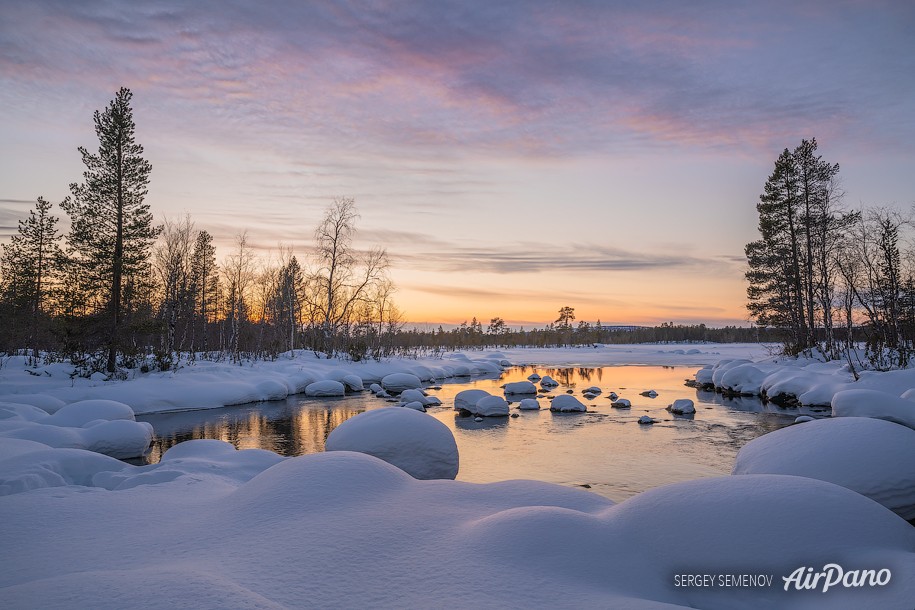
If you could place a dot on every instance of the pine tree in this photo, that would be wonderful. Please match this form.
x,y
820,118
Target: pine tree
x,y
204,285
111,227
25,267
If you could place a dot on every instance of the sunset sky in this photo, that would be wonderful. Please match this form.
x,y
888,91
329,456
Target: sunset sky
x,y
513,157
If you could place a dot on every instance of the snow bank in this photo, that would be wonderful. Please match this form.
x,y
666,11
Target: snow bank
x,y
418,444
872,403
566,403
870,456
102,426
121,548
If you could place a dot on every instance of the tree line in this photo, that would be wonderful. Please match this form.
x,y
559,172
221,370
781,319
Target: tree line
x,y
831,278
118,291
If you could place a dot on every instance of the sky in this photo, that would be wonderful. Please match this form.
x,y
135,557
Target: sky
x,y
512,157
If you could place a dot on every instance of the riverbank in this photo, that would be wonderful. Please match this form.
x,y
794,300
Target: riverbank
x,y
210,526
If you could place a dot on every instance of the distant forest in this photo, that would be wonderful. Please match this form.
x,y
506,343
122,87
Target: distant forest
x,y
118,292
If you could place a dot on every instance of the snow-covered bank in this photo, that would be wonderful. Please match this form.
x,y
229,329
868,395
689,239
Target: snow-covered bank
x,y
342,529
209,526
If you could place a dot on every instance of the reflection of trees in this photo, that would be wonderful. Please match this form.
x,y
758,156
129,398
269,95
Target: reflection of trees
x,y
295,430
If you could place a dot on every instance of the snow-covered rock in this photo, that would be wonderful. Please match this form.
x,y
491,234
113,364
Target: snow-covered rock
x,y
533,377
520,387
870,456
622,403
415,405
44,402
644,420
375,389
649,394
873,403
466,400
548,382
398,382
433,401
592,390
743,379
613,396
490,406
461,370
326,387
800,419
566,403
353,383
682,406
413,395
529,404
418,444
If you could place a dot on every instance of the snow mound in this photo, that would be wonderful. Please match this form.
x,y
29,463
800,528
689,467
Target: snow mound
x,y
418,444
682,406
873,403
466,400
529,404
326,387
398,382
548,382
520,387
566,403
102,426
870,456
490,406
42,401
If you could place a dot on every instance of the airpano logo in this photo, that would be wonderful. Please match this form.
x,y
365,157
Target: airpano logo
x,y
833,575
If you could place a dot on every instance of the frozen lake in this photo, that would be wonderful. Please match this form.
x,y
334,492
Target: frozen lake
x,y
604,448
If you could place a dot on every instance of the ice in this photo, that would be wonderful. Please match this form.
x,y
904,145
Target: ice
x,y
418,444
871,456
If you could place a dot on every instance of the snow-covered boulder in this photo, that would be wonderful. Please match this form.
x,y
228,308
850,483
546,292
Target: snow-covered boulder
x,y
490,406
566,403
592,390
871,456
622,403
704,376
529,404
800,419
353,383
533,377
77,414
418,444
415,405
723,366
645,420
326,387
466,400
613,396
682,406
873,403
742,379
375,389
649,394
520,387
461,370
548,382
433,401
398,382
413,395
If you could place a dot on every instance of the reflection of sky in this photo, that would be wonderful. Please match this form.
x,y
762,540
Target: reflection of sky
x,y
605,448
514,157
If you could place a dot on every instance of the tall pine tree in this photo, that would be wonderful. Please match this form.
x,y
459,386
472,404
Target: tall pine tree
x,y
111,227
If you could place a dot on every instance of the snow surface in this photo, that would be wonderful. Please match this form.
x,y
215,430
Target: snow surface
x,y
872,403
876,458
212,527
418,444
103,426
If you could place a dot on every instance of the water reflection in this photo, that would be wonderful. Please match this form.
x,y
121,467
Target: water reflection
x,y
605,447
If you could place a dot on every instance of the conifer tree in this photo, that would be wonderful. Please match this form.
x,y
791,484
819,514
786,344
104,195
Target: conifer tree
x,y
111,227
25,267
